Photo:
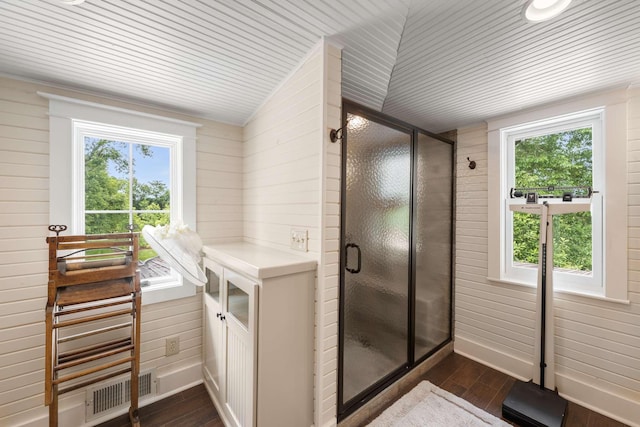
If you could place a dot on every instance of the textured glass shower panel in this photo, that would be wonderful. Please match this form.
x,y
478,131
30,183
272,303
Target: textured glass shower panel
x,y
378,185
432,231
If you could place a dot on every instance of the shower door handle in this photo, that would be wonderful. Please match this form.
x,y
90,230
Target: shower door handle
x,y
346,267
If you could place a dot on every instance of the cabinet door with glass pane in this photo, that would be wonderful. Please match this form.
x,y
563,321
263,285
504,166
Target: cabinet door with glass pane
x,y
240,343
213,330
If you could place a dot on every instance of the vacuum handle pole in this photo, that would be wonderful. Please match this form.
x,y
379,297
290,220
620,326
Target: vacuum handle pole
x,y
544,241
543,316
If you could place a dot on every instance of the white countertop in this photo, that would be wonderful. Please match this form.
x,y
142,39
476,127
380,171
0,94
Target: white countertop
x,y
258,261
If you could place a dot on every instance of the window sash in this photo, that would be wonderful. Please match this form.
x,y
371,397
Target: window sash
x,y
83,130
563,280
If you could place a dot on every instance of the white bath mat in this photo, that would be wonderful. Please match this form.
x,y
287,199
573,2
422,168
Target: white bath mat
x,y
428,405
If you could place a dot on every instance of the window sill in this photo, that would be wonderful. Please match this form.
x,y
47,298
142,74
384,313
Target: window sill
x,y
167,291
562,291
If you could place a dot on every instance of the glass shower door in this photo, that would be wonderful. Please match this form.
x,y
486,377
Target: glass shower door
x,y
376,255
432,233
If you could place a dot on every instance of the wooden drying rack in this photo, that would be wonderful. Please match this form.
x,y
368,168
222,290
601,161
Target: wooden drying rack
x,y
92,278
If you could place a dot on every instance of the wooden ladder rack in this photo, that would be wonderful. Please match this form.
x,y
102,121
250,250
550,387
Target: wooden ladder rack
x,y
93,282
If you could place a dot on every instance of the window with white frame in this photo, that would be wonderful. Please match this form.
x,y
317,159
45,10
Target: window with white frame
x,y
111,167
559,152
125,177
577,143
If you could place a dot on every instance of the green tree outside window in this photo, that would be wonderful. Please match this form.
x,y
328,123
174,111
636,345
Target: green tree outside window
x,y
114,195
559,159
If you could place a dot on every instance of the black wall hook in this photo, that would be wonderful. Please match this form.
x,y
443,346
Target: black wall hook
x,y
335,134
472,163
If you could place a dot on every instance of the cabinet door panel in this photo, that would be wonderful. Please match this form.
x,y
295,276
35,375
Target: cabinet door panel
x,y
238,374
213,347
213,326
240,336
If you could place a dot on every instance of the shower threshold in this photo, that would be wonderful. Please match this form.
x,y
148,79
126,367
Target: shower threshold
x,y
393,391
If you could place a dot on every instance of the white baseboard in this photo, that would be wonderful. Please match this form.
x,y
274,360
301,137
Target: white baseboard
x,y
510,365
176,381
587,395
619,408
72,412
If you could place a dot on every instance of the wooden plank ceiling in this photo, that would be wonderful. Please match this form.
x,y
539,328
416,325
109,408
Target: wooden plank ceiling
x,y
439,64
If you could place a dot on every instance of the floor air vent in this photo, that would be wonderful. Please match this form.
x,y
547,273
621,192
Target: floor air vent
x,y
110,396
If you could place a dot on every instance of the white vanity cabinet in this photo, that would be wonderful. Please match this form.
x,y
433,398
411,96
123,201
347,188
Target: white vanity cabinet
x,y
229,340
258,335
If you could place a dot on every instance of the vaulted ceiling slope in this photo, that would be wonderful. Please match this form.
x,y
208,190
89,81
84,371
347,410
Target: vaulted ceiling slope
x,y
438,64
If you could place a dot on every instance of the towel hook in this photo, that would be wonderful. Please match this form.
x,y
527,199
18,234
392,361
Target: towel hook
x,y
335,134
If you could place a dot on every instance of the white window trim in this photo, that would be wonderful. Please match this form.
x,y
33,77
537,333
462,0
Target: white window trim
x,y
84,129
614,196
62,113
591,284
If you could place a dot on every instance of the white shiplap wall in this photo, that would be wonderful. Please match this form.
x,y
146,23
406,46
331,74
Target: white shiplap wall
x,y
329,274
24,198
292,180
24,203
490,318
281,161
219,182
597,342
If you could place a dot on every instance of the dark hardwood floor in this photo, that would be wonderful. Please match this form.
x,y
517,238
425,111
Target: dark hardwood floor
x,y
484,387
190,408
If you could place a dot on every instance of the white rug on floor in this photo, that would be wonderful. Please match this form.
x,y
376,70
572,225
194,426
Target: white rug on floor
x,y
428,405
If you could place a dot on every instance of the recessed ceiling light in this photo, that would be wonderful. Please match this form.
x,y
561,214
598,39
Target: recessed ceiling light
x,y
541,10
71,2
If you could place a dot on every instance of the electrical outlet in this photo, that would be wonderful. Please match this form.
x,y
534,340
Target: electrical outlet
x,y
172,346
299,240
